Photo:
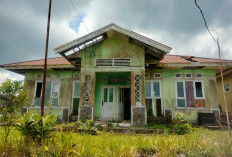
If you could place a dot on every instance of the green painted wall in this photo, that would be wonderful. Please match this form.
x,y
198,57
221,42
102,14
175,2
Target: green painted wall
x,y
64,74
168,87
101,80
112,48
66,85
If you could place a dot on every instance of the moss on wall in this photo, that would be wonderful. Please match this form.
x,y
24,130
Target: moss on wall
x,y
112,48
168,85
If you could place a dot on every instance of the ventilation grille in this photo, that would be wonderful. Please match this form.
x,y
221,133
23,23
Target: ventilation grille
x,y
113,62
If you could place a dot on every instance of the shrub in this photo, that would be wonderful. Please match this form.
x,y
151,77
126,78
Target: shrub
x,y
87,127
33,126
180,125
181,129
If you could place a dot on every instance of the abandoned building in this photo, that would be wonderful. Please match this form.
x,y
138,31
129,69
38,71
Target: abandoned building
x,y
117,74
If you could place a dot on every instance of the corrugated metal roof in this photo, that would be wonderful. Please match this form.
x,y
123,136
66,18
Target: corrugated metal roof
x,y
168,59
50,61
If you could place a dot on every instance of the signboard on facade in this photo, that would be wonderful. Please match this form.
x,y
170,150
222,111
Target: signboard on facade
x,y
117,80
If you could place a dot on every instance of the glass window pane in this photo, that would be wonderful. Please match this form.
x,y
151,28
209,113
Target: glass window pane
x,y
198,86
76,89
156,89
111,95
148,89
180,89
48,89
181,102
38,89
55,89
105,94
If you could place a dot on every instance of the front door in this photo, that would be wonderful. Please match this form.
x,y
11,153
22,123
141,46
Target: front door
x,y
108,105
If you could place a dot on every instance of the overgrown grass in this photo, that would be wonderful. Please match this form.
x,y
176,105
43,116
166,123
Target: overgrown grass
x,y
200,142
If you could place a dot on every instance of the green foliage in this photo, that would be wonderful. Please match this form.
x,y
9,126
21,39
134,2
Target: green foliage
x,y
33,126
87,127
200,142
13,97
180,125
181,129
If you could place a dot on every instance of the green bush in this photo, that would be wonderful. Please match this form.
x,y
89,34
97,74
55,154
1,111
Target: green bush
x,y
181,129
87,127
180,125
33,126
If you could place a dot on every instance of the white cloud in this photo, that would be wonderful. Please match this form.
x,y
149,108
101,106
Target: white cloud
x,y
4,75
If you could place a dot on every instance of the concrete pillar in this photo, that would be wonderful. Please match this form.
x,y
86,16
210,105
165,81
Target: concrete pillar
x,y
87,96
138,105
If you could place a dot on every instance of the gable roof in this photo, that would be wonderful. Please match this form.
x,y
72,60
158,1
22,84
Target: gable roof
x,y
93,35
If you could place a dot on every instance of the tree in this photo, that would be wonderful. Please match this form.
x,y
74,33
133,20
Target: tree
x,y
14,97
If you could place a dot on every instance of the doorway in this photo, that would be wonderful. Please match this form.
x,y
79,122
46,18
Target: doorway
x,y
124,103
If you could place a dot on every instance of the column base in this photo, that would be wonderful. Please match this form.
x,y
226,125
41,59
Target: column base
x,y
85,113
138,115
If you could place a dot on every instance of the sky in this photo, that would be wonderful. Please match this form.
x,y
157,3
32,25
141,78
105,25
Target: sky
x,y
176,23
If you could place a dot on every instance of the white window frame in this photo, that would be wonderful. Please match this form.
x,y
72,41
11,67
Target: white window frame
x,y
58,95
198,76
177,97
177,74
108,94
152,92
148,76
195,92
157,73
187,74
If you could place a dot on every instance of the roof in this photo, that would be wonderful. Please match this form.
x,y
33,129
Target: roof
x,y
50,61
168,59
95,34
178,59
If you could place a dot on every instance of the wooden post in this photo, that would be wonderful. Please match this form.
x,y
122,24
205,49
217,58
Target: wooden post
x,y
227,115
45,60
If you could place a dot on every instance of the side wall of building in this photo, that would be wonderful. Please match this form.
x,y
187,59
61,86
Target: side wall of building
x,y
168,87
64,102
228,84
